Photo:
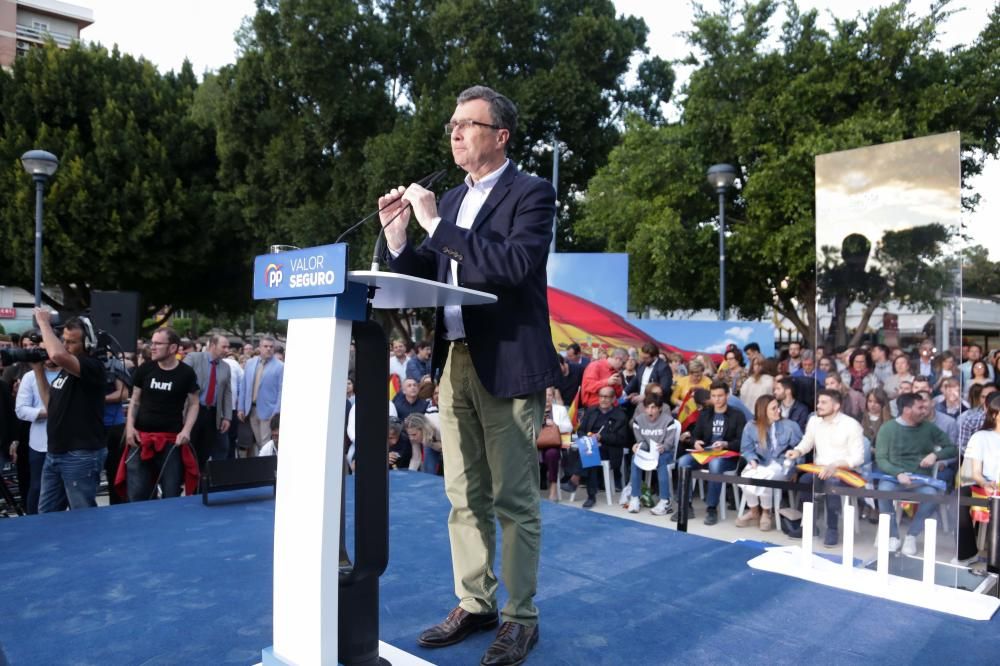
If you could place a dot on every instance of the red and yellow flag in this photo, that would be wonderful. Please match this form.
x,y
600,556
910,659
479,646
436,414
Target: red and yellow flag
x,y
702,457
980,514
576,319
847,476
687,413
394,386
574,411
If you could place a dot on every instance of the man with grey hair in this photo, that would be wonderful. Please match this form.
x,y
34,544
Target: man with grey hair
x,y
492,234
260,398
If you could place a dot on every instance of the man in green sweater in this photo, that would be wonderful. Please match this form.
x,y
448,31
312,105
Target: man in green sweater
x,y
910,445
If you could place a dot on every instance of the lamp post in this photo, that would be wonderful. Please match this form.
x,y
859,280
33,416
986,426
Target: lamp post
x,y
555,186
40,165
722,177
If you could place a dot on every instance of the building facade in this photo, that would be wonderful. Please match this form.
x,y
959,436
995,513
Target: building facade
x,y
28,23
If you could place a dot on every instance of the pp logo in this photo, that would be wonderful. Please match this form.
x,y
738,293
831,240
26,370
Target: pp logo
x,y
273,275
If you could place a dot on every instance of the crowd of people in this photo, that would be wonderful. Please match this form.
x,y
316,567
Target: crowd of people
x,y
142,423
152,418
895,419
919,423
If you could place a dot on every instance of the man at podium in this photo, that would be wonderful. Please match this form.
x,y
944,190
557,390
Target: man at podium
x,y
491,233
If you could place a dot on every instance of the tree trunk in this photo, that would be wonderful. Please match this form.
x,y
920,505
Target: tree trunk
x,y
863,324
787,308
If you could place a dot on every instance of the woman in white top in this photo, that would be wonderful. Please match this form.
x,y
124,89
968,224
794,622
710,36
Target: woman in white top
x,y
984,453
756,384
900,373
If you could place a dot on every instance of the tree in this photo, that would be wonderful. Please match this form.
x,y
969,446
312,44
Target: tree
x,y
331,103
131,206
980,276
911,266
770,111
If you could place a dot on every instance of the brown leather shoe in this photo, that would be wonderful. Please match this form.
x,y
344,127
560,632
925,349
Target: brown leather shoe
x,y
455,628
512,645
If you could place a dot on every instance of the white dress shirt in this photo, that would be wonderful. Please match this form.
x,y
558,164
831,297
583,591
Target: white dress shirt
x,y
467,212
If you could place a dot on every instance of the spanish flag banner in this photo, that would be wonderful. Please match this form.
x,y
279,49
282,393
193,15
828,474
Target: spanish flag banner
x,y
687,413
702,457
847,476
574,411
394,386
980,514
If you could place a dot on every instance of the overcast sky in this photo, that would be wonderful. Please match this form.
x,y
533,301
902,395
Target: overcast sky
x,y
203,33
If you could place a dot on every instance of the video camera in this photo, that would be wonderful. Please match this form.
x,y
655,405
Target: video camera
x,y
18,355
96,342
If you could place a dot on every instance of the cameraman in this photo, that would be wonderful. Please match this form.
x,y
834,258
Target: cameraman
x,y
75,405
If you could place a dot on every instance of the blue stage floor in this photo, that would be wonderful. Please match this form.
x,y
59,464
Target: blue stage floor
x,y
174,582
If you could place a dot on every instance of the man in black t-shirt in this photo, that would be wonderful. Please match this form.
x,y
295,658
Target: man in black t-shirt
x,y
161,415
75,406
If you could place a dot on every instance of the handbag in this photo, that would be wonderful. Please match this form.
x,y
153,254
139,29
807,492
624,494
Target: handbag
x,y
549,437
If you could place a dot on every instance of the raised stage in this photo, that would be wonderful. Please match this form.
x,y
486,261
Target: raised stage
x,y
175,582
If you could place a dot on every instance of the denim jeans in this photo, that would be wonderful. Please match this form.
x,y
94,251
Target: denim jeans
x,y
833,502
432,461
71,479
165,468
715,466
924,509
36,460
662,474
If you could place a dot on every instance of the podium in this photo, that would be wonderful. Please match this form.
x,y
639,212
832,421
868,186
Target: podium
x,y
325,604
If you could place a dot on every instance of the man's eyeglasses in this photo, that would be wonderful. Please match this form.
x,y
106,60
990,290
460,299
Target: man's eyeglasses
x,y
464,125
605,395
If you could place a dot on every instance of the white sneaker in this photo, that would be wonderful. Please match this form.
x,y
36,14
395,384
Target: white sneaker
x,y
910,545
893,544
661,508
625,499
633,505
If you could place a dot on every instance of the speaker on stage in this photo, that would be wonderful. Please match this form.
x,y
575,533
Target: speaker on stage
x,y
117,312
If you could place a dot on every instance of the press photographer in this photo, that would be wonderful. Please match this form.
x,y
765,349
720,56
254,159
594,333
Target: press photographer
x,y
74,402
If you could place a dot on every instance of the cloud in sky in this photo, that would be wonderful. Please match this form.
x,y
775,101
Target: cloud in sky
x,y
737,335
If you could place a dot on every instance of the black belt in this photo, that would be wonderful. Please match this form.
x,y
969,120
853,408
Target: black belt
x,y
460,341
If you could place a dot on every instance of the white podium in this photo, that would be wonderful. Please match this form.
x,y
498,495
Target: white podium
x,y
312,576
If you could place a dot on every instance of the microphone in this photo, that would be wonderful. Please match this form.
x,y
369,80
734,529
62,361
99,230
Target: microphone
x,y
426,182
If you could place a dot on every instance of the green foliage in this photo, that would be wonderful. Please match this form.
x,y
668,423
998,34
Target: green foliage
x,y
334,101
131,206
980,276
769,111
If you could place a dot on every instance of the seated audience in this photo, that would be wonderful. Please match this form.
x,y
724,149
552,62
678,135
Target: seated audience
x,y
763,445
656,437
984,453
838,443
425,444
909,445
607,423
555,415
270,447
717,429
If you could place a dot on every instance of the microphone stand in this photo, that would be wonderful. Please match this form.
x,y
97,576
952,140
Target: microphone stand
x,y
380,247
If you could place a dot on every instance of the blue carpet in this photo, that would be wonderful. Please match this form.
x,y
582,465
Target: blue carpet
x,y
173,582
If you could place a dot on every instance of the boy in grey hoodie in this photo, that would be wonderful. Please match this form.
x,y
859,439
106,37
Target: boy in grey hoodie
x,y
656,435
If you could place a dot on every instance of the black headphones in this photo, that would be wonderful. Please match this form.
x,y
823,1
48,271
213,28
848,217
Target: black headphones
x,y
89,336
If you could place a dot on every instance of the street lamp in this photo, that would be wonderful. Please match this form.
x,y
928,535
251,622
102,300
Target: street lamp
x,y
722,177
40,165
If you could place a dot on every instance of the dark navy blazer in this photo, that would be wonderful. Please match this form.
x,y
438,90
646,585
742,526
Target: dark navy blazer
x,y
504,253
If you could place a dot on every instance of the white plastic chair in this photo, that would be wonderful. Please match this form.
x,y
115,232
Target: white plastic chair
x,y
608,484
